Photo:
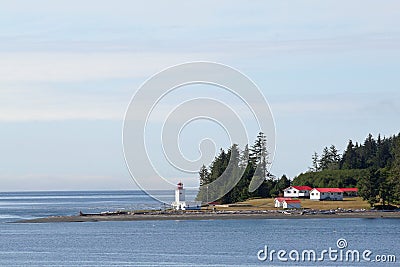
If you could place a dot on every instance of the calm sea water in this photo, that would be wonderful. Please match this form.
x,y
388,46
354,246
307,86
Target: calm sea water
x,y
171,243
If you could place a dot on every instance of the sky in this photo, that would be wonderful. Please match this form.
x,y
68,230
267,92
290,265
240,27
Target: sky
x,y
68,70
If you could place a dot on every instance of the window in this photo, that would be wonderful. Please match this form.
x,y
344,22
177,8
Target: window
x,y
312,194
332,194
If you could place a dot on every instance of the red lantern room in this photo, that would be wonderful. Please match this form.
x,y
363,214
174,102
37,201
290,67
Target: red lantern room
x,y
180,185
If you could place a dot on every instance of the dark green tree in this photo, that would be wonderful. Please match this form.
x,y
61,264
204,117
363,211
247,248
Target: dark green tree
x,y
325,160
383,155
368,188
232,175
229,165
349,159
315,162
259,154
204,175
280,185
394,172
386,187
334,158
369,151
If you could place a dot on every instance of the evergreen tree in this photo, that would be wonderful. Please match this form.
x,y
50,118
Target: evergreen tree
x,y
394,173
204,175
231,175
368,188
325,159
349,159
383,155
386,187
224,172
245,157
259,154
369,151
315,162
334,157
217,168
280,185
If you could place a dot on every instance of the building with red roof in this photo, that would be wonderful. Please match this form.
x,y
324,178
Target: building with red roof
x,y
350,192
326,194
302,187
349,189
297,191
287,203
279,201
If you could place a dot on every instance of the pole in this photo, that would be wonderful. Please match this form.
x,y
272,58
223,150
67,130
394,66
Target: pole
x,y
207,198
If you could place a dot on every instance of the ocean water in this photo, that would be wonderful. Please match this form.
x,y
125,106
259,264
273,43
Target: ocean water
x,y
173,243
28,205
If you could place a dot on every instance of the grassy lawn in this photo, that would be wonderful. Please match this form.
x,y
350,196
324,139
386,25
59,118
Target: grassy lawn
x,y
268,204
346,203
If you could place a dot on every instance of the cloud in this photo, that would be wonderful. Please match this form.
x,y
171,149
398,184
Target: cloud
x,y
49,102
349,105
33,182
74,67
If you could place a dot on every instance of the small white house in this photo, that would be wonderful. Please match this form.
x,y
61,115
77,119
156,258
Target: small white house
x,y
326,194
180,203
279,201
291,204
297,191
287,203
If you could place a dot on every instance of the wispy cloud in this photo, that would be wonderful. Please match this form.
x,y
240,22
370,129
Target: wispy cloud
x,y
31,182
349,105
74,67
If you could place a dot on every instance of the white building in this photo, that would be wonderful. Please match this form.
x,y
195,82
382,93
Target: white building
x,y
279,201
180,203
287,203
326,194
297,191
291,204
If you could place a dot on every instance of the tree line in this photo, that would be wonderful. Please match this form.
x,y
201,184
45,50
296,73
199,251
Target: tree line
x,y
252,162
373,166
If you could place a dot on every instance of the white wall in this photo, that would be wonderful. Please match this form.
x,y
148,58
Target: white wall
x,y
316,195
291,192
291,205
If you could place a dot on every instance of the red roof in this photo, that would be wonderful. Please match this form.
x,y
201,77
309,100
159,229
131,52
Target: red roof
x,y
329,190
303,188
349,189
281,199
292,201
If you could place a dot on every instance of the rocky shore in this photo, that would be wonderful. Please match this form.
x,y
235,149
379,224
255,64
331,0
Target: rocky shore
x,y
216,215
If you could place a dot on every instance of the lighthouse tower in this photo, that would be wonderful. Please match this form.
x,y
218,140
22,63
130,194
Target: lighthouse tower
x,y
180,203
179,193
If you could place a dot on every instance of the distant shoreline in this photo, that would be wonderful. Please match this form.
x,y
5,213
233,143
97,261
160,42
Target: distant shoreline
x,y
210,216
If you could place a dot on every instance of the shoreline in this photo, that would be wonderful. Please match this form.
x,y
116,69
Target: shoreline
x,y
212,216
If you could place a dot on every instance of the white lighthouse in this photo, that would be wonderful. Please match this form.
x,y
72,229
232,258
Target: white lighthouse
x,y
180,203
179,193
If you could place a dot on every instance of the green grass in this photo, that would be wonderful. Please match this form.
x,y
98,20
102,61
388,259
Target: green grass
x,y
268,204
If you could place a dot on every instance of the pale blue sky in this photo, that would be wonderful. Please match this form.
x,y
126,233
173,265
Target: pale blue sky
x,y
68,70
